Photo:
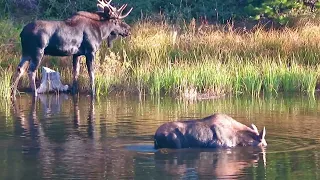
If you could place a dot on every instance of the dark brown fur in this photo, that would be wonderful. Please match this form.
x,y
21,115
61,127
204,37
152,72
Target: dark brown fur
x,y
79,35
218,130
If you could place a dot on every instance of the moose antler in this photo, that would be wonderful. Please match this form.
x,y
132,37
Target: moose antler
x,y
102,4
117,13
105,3
121,10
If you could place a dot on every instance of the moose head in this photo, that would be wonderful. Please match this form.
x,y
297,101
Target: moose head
x,y
250,136
115,16
259,138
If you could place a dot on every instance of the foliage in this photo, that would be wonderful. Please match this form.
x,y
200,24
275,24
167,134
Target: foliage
x,y
273,9
174,10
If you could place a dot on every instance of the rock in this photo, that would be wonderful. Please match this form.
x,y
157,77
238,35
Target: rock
x,y
51,82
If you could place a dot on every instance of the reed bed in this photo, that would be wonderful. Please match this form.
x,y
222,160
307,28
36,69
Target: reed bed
x,y
199,61
218,60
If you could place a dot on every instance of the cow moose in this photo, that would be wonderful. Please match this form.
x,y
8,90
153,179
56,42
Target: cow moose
x,y
79,35
217,130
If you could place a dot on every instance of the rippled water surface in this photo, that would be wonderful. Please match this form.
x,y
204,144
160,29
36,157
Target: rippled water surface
x,y
61,137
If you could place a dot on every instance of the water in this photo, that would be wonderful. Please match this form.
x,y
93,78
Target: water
x,y
60,137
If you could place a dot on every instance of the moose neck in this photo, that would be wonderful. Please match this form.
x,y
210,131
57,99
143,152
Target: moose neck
x,y
105,29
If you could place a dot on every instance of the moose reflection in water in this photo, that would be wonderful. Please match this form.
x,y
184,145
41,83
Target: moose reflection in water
x,y
55,144
218,130
50,106
216,163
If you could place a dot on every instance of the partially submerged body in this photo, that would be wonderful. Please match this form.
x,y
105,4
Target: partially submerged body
x,y
218,130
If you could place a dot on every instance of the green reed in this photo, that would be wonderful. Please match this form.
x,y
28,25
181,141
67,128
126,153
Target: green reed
x,y
272,78
215,78
5,84
221,62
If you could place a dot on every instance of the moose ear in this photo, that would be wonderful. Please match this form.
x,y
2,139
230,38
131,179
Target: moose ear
x,y
110,13
254,127
263,133
107,10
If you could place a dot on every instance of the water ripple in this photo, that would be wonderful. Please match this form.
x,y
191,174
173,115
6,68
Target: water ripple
x,y
64,138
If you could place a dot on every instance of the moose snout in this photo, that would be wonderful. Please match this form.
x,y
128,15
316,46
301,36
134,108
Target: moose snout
x,y
127,32
262,143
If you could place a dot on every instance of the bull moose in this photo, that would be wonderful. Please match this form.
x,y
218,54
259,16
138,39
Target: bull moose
x,y
78,35
217,130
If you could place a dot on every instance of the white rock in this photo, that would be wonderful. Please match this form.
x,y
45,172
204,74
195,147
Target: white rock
x,y
51,82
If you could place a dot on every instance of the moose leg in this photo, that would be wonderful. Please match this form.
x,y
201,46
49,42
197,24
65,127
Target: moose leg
x,y
76,69
34,65
18,74
89,62
174,141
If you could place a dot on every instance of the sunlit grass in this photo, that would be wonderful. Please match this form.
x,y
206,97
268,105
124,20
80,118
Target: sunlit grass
x,y
242,78
213,60
5,85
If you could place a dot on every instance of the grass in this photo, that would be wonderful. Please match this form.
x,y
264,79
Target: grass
x,y
5,84
207,60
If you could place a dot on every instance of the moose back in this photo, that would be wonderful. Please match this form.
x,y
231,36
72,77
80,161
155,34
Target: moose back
x,y
217,130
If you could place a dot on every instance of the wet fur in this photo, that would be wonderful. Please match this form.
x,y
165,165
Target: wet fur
x,y
218,130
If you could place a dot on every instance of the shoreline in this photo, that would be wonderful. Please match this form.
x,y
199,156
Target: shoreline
x,y
159,60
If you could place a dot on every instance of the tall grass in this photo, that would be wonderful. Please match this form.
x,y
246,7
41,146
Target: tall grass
x,y
5,84
212,60
8,57
204,61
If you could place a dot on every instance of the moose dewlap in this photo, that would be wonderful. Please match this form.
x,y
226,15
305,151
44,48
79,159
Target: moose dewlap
x,y
217,130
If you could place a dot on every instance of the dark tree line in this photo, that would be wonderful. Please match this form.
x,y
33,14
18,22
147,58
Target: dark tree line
x,y
174,10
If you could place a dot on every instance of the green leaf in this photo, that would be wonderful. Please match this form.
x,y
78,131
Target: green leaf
x,y
283,20
257,17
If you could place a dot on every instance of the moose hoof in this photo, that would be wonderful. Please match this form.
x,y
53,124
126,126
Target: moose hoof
x,y
35,94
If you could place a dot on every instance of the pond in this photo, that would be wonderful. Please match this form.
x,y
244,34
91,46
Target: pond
x,y
65,137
